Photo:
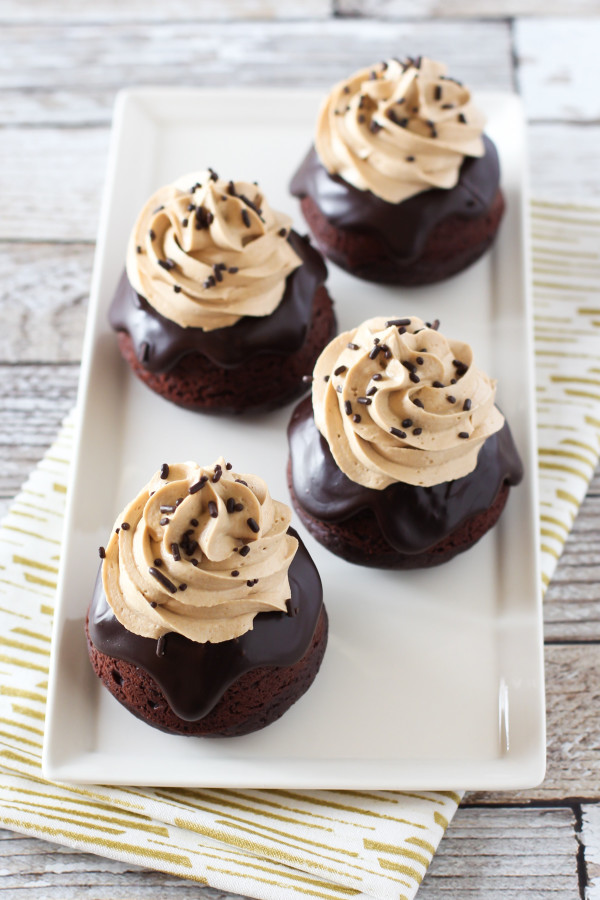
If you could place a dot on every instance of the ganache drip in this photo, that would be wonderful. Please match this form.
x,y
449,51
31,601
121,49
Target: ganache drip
x,y
194,676
160,343
412,518
403,228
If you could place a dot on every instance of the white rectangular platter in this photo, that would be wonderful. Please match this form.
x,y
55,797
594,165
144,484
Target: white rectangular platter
x,y
432,679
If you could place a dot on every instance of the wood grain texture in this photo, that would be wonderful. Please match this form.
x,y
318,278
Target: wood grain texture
x,y
110,11
480,9
43,298
36,57
555,85
573,726
487,853
590,839
33,402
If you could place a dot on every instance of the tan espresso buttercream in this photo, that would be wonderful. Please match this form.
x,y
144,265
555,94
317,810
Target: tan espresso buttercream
x,y
178,561
204,252
399,128
385,401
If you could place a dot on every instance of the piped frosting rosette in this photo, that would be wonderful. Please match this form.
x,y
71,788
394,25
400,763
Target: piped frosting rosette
x,y
200,551
399,128
204,252
397,401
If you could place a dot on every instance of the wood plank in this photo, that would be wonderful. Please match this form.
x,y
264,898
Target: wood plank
x,y
555,84
564,163
590,839
487,853
501,853
51,182
480,9
43,297
84,57
33,402
573,710
110,11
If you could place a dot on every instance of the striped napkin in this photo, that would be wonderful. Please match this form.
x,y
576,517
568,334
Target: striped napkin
x,y
279,843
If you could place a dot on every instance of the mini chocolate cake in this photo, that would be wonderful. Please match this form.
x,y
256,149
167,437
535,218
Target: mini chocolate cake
x,y
222,306
406,461
401,187
229,649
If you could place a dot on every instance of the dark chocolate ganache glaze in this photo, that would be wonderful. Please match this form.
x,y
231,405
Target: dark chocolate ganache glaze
x,y
194,676
160,343
402,227
412,518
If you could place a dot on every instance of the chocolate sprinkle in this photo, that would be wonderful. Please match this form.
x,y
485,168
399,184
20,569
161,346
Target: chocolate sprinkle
x,y
167,509
125,526
194,522
153,604
417,430
183,586
230,505
176,288
340,370
161,643
463,434
462,119
352,346
228,466
253,525
232,270
373,354
235,573
162,579
245,550
245,218
101,552
371,391
158,562
438,92
397,433
347,407
418,403
451,399
239,481
437,384
175,552
151,234
167,264
397,322
212,508
467,404
199,485
408,365
138,249
406,423
164,471
356,418
377,377
164,520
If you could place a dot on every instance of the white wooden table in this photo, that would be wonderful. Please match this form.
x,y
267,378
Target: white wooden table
x,y
61,62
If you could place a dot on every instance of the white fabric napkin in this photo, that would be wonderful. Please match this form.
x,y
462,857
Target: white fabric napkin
x,y
286,844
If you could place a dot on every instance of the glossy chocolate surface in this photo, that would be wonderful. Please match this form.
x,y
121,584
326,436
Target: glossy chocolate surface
x,y
412,518
160,343
402,227
193,676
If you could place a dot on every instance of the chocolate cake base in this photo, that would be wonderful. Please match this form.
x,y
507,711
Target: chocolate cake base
x,y
256,699
263,382
358,539
454,244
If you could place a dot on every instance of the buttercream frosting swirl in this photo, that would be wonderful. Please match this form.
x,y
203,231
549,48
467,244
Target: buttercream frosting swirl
x,y
397,401
200,551
399,128
204,252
